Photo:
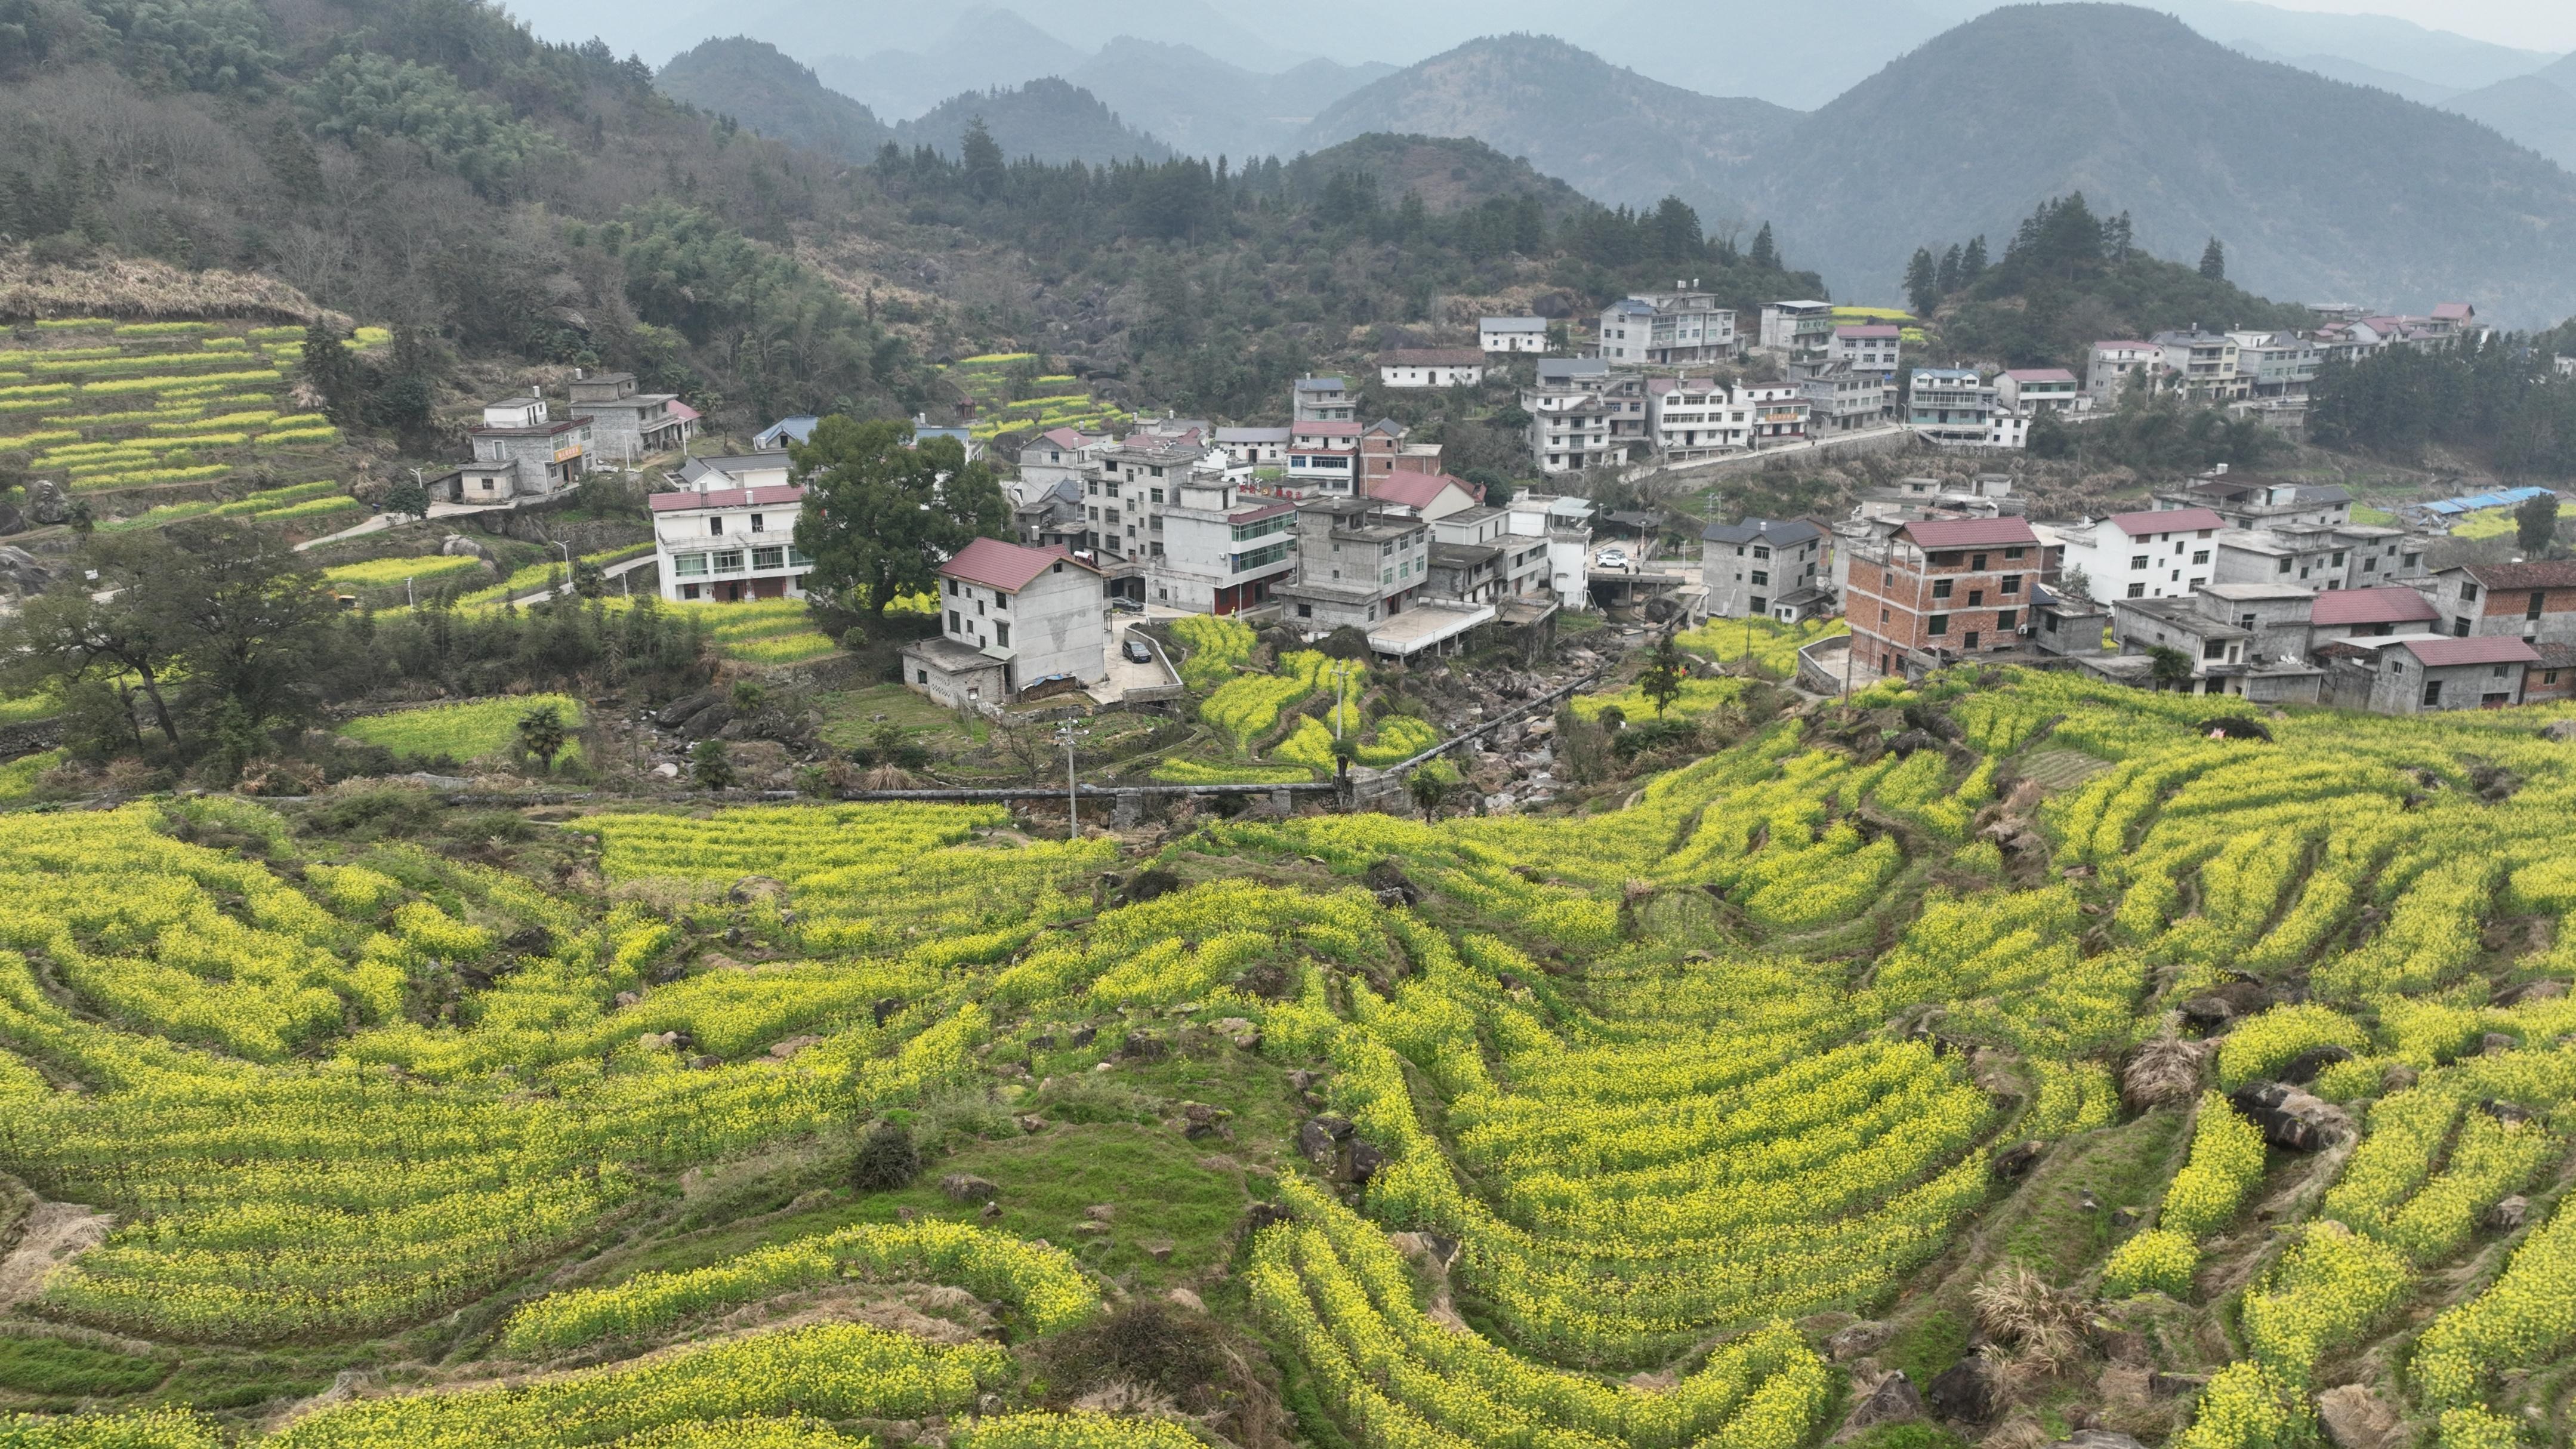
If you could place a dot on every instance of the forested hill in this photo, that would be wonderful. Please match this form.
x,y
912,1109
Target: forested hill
x,y
2067,278
1048,119
752,82
2323,191
428,165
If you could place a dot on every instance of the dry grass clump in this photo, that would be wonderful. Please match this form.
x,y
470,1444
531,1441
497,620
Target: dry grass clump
x,y
109,286
2166,1069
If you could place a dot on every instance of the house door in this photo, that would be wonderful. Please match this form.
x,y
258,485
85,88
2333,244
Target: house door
x,y
733,593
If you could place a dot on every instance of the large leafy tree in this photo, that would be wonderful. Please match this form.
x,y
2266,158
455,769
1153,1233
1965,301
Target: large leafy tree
x,y
882,514
247,617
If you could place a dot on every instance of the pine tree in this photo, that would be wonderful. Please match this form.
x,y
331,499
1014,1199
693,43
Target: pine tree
x,y
983,156
1947,279
1972,262
2213,261
1922,282
1766,252
2122,238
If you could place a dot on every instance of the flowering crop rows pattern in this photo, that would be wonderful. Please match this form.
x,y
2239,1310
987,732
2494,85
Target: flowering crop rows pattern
x,y
1671,1077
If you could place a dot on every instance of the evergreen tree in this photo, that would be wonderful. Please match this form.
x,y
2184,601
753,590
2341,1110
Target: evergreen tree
x,y
1922,282
1947,278
2535,524
1972,262
2120,238
1766,252
983,157
2213,261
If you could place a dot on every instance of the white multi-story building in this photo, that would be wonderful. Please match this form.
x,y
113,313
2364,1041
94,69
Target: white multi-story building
x,y
2202,364
1512,334
2277,364
1222,551
2027,391
2160,554
1662,329
1803,331
1841,399
2112,366
1323,457
1572,416
1869,347
1323,400
729,533
1951,405
1011,619
1564,523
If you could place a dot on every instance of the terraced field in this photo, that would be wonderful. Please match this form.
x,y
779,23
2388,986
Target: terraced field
x,y
2200,1093
104,407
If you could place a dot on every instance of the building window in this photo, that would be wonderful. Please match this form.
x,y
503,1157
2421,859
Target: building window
x,y
1977,564
2284,567
952,588
1940,588
688,591
757,522
2432,693
2012,585
1937,625
2137,591
715,526
729,562
955,624
921,676
1760,578
768,558
2137,561
2459,628
2199,556
688,564
1001,634
2005,619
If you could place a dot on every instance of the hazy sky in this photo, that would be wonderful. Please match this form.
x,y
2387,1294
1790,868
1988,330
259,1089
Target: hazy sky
x,y
2533,24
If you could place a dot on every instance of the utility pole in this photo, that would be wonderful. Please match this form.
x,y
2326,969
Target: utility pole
x,y
1341,692
1067,735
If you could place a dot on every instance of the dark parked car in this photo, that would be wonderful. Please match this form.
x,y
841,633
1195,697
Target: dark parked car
x,y
1138,651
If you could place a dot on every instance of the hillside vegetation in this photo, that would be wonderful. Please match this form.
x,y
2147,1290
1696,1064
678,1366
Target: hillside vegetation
x,y
1888,1037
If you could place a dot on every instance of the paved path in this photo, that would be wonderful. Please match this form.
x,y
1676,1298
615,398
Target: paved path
x,y
612,571
376,523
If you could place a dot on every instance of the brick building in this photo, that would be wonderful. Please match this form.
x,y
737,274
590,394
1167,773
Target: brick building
x,y
2535,601
1940,590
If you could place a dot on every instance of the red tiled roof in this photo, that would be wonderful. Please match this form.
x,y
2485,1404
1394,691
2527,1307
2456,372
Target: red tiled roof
x,y
1870,329
1326,429
1062,437
725,498
1005,566
1968,532
684,412
2547,574
1417,490
2166,520
2486,649
2452,311
2372,606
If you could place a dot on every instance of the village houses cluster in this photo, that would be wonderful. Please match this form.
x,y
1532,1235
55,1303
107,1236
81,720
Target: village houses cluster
x,y
1339,520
